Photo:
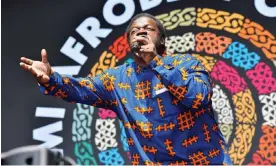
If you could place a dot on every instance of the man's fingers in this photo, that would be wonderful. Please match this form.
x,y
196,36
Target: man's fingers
x,y
145,48
145,51
24,66
27,61
28,67
44,56
39,76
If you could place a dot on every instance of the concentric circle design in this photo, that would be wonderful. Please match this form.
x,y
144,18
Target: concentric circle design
x,y
239,74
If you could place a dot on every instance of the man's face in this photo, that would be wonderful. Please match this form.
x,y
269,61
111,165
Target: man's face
x,y
145,27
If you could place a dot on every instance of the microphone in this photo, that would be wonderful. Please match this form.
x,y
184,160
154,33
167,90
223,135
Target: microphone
x,y
135,46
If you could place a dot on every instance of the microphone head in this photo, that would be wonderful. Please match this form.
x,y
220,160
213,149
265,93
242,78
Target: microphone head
x,y
135,46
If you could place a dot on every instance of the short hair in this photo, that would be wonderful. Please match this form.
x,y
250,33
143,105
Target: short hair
x,y
158,23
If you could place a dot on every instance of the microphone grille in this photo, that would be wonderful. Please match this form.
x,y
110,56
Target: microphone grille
x,y
135,46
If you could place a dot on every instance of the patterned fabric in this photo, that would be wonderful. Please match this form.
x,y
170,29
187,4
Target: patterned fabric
x,y
165,108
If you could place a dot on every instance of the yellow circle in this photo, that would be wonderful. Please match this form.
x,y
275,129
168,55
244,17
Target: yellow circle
x,y
220,20
107,61
235,23
174,19
205,17
187,17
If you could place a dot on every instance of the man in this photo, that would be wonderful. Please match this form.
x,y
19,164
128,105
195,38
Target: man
x,y
164,101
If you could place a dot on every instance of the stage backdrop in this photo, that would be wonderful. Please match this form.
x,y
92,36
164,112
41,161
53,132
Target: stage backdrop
x,y
234,40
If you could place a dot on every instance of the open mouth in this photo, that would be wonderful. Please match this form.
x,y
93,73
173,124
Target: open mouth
x,y
144,36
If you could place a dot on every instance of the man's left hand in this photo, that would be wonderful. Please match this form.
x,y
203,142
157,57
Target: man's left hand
x,y
147,50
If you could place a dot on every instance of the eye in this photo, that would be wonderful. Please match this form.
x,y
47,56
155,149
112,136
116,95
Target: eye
x,y
134,30
150,28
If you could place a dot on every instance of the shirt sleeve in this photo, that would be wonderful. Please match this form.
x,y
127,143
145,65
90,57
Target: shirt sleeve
x,y
185,78
97,91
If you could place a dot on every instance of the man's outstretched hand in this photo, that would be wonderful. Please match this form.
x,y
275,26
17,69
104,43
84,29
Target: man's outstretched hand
x,y
41,70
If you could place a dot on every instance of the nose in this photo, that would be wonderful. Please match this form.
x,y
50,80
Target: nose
x,y
141,32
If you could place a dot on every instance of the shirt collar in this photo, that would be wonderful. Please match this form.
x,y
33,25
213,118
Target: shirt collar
x,y
139,69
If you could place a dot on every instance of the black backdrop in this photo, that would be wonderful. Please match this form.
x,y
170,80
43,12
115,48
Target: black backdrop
x,y
28,26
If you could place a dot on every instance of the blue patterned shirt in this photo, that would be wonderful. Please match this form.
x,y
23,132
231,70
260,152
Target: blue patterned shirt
x,y
165,108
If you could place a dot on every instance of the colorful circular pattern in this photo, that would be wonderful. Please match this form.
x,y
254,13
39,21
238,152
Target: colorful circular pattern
x,y
237,116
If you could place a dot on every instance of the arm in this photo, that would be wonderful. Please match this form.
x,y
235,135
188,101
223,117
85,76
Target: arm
x,y
90,91
185,78
97,91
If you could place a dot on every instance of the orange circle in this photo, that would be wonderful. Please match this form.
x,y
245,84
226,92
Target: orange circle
x,y
220,20
273,49
250,30
263,39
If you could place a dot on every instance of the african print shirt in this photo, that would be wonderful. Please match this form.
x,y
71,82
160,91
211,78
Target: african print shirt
x,y
164,107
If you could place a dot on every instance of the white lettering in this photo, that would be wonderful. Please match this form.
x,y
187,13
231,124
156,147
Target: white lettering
x,y
45,134
265,10
113,19
73,52
50,112
148,4
90,30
